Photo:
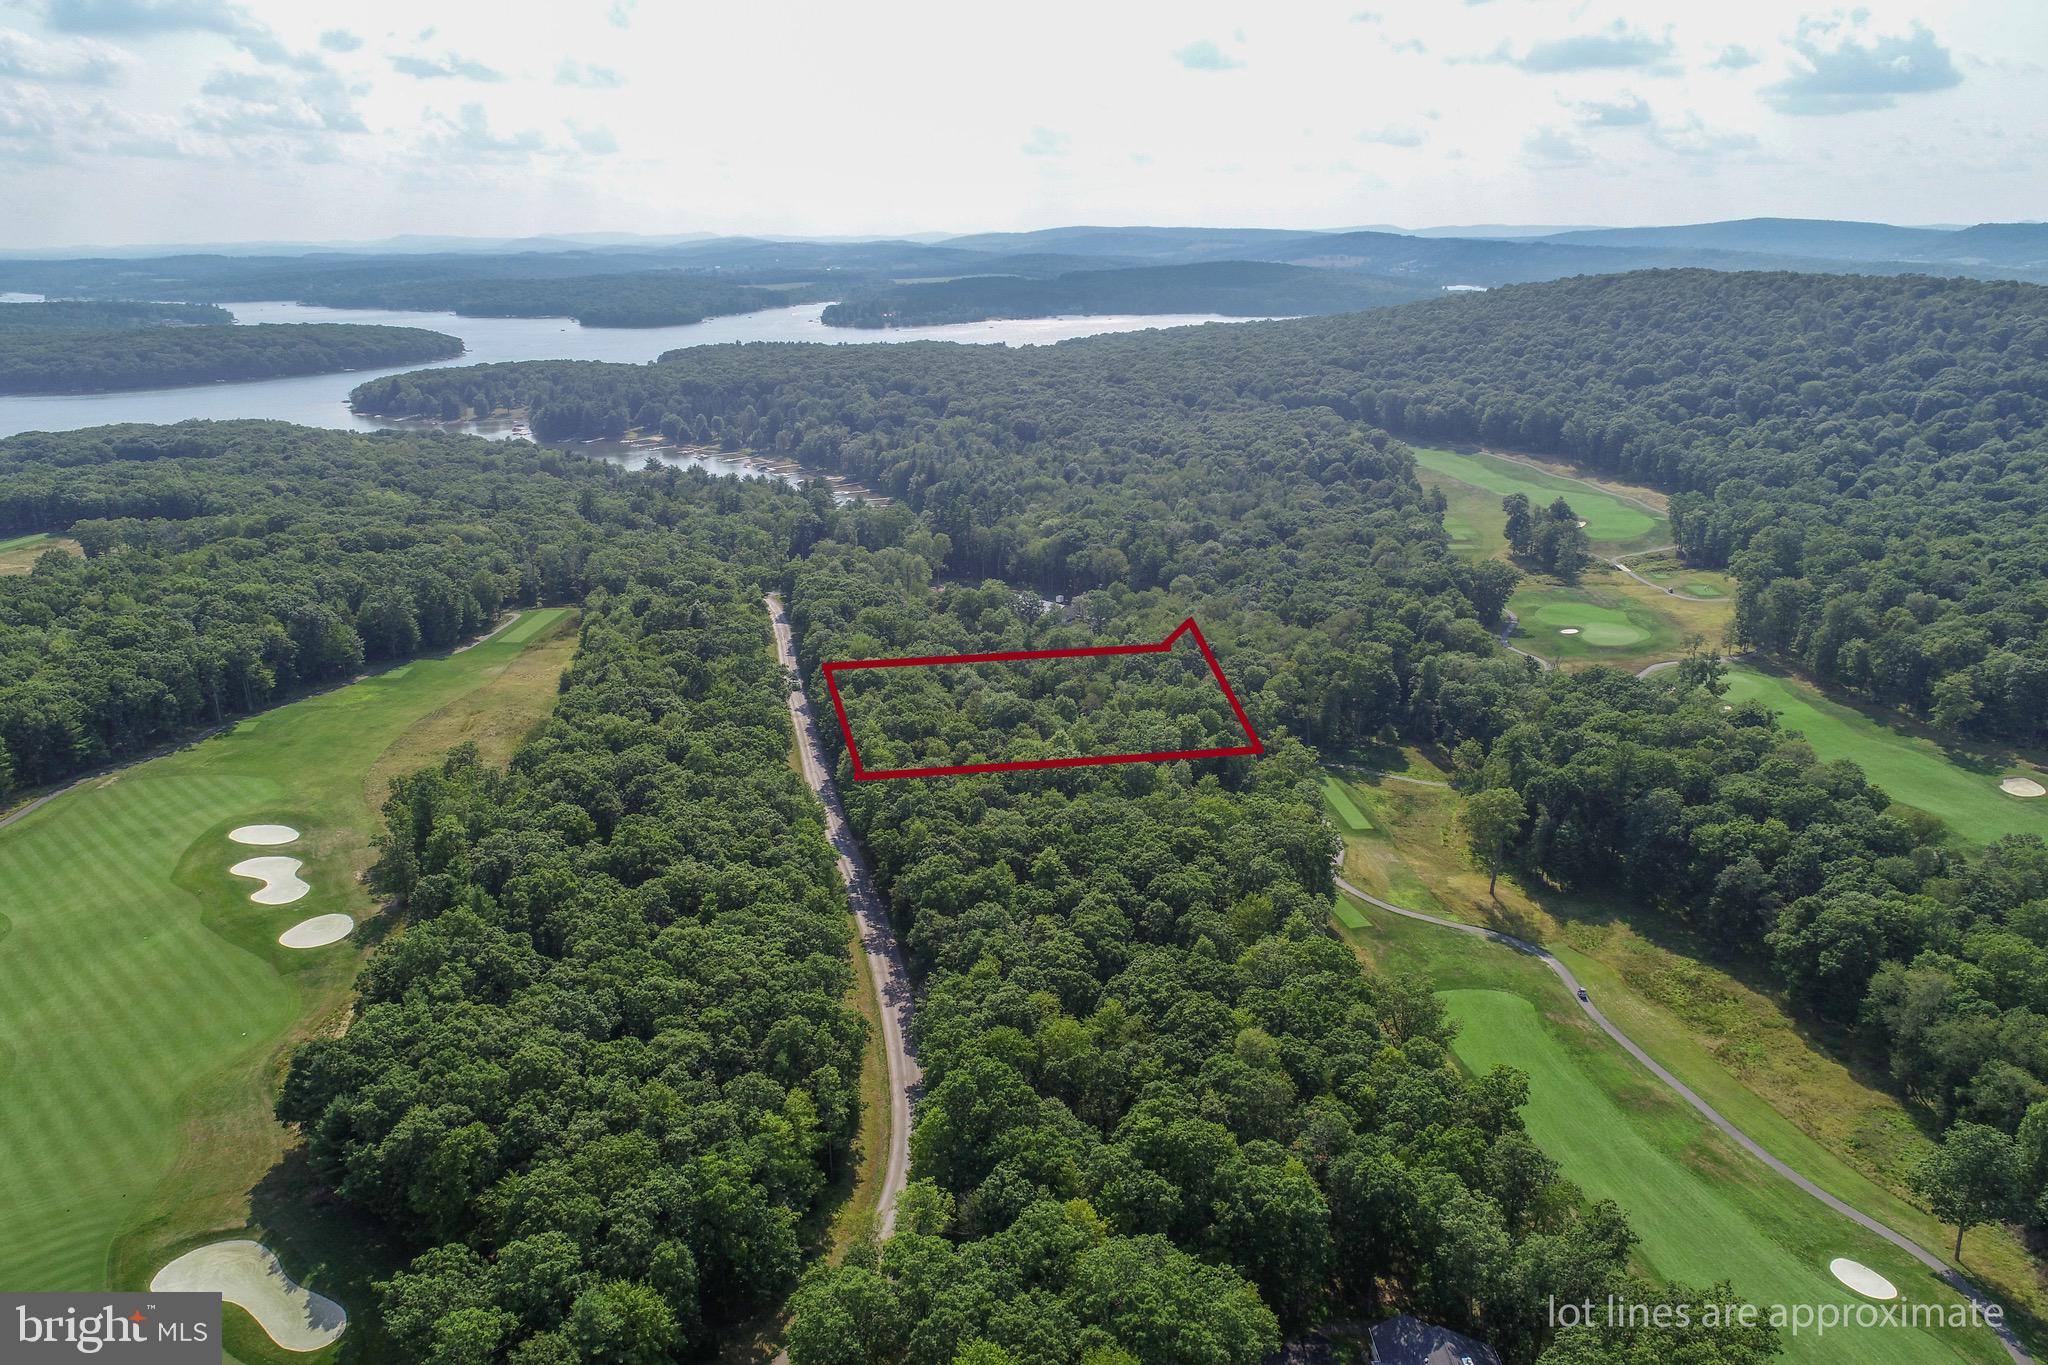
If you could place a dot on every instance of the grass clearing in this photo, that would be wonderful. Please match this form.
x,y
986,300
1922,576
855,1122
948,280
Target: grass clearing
x,y
1614,520
1959,786
1666,571
1722,1027
150,1010
20,553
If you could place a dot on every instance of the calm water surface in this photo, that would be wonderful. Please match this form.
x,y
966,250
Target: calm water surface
x,y
322,400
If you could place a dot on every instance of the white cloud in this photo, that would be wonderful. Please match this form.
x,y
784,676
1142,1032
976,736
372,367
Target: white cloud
x,y
81,61
448,66
1204,55
1839,71
587,74
1045,142
1630,111
1556,148
1394,135
596,140
1616,48
155,18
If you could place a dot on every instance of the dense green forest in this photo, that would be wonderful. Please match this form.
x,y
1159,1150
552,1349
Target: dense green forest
x,y
95,361
1233,288
1153,1083
1228,467
228,565
86,315
1121,965
606,1068
1866,454
1869,456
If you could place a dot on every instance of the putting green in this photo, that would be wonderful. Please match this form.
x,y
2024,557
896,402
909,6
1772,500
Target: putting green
x,y
144,999
1610,520
1704,1210
1603,627
1912,770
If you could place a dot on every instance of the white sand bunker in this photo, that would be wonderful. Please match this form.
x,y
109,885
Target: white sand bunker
x,y
318,931
280,878
1567,630
2023,787
263,836
246,1274
1862,1279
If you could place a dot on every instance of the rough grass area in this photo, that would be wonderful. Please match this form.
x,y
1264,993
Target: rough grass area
x,y
20,554
150,1011
1704,1209
1958,785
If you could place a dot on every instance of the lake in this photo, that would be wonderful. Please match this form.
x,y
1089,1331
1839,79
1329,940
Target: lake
x,y
322,400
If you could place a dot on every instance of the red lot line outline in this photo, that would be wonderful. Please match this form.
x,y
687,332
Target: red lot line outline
x,y
1187,627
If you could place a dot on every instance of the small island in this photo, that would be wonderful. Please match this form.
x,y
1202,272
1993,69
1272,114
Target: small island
x,y
100,359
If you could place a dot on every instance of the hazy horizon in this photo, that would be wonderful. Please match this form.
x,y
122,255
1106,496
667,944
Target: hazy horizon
x,y
166,122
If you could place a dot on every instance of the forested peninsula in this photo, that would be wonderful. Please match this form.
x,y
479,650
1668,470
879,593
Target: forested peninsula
x,y
1232,288
647,298
97,360
74,315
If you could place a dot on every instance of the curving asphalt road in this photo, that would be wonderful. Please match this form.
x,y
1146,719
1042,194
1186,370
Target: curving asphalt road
x,y
1713,1115
885,958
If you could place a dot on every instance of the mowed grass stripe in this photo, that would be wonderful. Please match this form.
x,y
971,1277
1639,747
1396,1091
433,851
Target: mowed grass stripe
x,y
107,1050
144,998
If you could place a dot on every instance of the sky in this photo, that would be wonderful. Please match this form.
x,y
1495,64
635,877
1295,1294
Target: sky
x,y
160,121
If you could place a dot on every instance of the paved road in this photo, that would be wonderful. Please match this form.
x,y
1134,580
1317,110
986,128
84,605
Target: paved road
x,y
885,958
1708,1112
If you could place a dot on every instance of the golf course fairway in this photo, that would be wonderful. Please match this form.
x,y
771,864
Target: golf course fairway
x,y
1911,770
1704,1210
1610,520
145,1002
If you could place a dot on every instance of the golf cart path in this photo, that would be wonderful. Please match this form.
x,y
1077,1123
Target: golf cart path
x,y
885,958
1507,629
1621,562
1712,1115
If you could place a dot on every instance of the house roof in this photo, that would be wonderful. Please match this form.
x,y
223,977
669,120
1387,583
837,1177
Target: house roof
x,y
1411,1341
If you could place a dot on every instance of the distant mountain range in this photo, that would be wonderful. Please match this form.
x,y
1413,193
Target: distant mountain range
x,y
1485,255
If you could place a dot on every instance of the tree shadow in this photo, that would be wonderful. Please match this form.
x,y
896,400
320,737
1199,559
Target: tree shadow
x,y
329,1247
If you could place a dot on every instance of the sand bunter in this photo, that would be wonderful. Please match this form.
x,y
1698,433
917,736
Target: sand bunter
x,y
280,877
247,1274
318,931
263,836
